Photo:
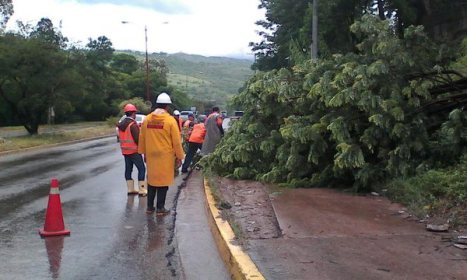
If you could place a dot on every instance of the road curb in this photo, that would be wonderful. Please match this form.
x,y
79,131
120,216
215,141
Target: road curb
x,y
53,145
237,261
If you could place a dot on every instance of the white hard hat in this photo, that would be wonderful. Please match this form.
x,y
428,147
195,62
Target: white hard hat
x,y
176,113
163,98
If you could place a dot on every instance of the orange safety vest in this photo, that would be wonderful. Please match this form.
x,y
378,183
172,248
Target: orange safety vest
x,y
127,143
198,133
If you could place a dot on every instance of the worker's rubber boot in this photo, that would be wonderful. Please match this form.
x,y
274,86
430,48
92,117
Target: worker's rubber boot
x,y
143,189
131,187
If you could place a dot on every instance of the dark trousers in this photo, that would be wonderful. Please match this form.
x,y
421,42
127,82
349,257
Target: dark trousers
x,y
192,149
137,160
161,193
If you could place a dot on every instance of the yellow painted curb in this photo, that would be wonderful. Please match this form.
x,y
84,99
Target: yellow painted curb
x,y
238,262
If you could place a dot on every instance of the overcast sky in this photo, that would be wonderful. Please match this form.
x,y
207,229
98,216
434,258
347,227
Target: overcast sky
x,y
205,27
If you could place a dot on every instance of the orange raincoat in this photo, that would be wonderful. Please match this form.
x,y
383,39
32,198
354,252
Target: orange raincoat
x,y
160,142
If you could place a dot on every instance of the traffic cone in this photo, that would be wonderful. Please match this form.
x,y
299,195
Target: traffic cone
x,y
54,218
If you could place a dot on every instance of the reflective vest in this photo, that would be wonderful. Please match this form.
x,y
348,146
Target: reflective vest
x,y
198,133
127,143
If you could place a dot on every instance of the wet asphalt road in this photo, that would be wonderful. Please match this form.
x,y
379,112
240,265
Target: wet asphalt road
x,y
111,236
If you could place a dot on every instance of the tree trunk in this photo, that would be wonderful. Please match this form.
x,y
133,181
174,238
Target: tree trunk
x,y
33,128
381,10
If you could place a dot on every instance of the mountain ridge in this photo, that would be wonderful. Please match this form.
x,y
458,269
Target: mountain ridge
x,y
205,78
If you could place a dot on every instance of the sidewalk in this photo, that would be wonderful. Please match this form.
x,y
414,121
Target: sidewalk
x,y
327,234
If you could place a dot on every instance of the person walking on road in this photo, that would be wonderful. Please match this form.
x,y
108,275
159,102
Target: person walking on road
x,y
128,133
214,131
160,142
195,142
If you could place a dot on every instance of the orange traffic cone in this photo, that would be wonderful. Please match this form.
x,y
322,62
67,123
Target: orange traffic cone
x,y
54,218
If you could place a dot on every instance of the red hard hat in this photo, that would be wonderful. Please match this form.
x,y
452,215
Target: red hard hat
x,y
129,108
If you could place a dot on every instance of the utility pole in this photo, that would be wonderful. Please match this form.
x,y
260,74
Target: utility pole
x,y
148,90
314,34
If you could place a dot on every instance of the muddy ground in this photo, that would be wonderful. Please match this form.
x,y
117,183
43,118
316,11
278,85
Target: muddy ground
x,y
329,234
250,208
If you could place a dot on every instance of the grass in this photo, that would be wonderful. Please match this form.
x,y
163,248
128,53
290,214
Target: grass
x,y
55,134
438,193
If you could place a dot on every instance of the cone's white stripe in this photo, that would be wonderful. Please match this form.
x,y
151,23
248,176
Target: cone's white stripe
x,y
54,191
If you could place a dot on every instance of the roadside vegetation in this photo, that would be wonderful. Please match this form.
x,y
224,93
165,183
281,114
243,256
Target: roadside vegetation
x,y
383,107
45,78
53,134
435,194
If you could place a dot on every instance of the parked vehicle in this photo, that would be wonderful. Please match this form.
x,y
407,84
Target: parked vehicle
x,y
202,117
139,120
184,115
237,115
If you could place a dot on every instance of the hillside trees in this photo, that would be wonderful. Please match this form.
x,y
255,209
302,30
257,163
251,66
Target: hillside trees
x,y
357,118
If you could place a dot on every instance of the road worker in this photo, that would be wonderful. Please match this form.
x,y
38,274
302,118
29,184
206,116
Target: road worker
x,y
160,142
178,119
186,130
195,142
214,131
128,133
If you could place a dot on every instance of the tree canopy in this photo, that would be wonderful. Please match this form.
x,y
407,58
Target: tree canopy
x,y
287,28
388,108
6,10
43,76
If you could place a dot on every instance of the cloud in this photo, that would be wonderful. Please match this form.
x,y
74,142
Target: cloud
x,y
163,6
211,28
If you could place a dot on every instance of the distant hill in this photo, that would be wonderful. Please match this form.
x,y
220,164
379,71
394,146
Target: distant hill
x,y
205,78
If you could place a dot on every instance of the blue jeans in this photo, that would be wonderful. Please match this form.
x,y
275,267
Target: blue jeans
x,y
137,160
192,149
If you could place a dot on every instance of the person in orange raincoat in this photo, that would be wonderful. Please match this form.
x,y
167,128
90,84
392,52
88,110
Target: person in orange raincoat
x,y
160,143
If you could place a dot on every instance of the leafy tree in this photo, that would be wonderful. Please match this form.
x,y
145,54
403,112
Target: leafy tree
x,y
99,54
288,23
6,10
124,63
356,118
142,106
46,32
102,88
28,90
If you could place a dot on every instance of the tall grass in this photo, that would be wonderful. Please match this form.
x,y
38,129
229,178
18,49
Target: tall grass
x,y
57,136
437,192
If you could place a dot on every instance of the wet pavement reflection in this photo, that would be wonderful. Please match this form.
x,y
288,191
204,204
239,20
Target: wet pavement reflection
x,y
54,247
111,235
